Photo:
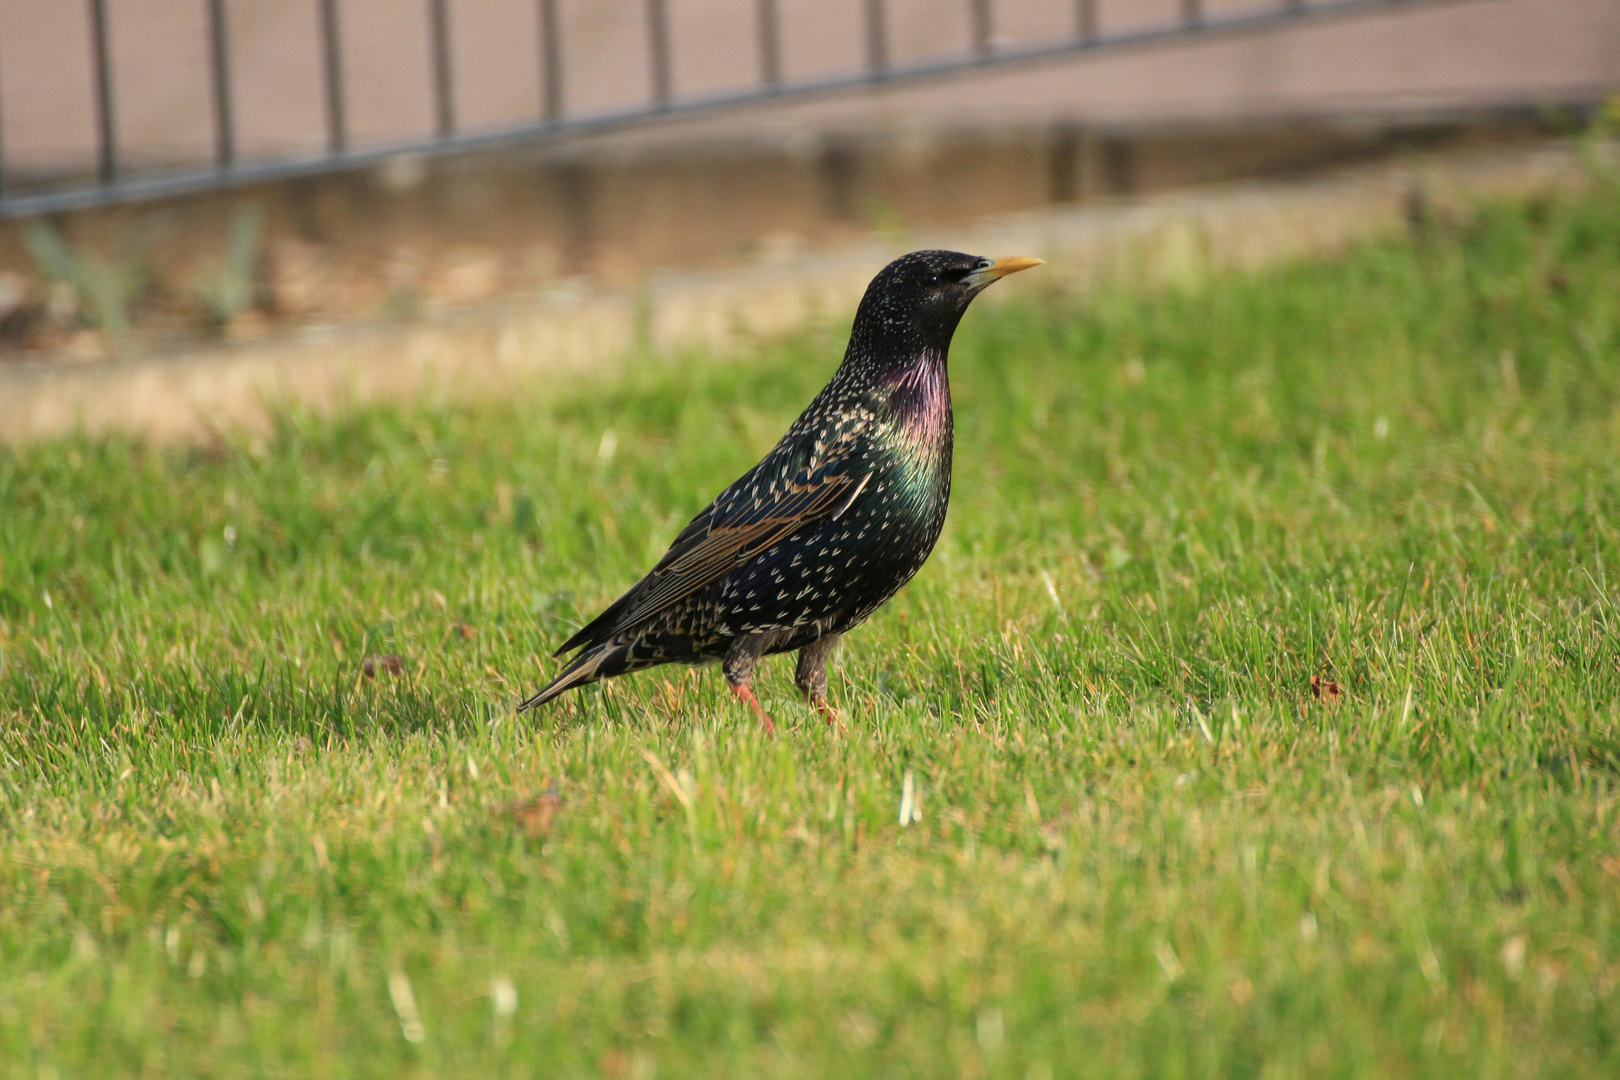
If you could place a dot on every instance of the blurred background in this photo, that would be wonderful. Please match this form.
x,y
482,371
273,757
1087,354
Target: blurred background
x,y
177,175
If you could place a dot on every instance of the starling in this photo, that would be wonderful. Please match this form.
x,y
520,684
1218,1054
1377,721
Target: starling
x,y
832,522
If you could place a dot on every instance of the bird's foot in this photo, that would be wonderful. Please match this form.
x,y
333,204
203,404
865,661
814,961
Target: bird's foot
x,y
829,714
746,693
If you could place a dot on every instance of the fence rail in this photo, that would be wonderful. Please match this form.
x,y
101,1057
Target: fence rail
x,y
114,182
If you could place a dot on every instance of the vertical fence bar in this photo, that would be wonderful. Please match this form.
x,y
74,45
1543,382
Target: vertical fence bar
x,y
1192,14
658,51
551,71
219,71
2,151
770,44
983,27
444,99
877,39
337,123
1085,14
106,128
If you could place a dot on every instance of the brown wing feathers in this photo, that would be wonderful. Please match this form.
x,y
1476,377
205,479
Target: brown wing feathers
x,y
700,557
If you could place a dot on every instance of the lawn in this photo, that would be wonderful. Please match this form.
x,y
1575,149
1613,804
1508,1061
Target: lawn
x,y
1258,715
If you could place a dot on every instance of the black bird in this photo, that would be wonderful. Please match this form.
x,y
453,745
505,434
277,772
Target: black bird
x,y
830,524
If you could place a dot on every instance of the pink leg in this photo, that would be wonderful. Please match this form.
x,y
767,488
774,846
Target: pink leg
x,y
746,693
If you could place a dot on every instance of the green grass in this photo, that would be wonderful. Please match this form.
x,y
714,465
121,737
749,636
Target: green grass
x,y
1141,848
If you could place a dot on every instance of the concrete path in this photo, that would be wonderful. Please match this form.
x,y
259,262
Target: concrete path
x,y
572,329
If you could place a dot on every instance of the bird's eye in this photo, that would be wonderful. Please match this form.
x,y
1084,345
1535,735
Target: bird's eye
x,y
985,264
931,280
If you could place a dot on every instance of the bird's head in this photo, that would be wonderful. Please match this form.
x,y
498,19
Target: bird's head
x,y
916,301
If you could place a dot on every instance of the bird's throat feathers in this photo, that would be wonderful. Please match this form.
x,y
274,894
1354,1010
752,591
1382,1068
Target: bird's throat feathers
x,y
920,404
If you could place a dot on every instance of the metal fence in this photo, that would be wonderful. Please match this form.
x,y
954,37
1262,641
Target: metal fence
x,y
114,181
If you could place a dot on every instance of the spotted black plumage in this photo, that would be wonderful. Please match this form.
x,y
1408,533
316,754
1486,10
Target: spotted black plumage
x,y
834,520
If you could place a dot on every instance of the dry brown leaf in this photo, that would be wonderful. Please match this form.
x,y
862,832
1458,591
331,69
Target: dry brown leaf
x,y
1324,689
388,664
535,816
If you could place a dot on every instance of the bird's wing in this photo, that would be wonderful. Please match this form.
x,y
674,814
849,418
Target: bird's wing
x,y
747,519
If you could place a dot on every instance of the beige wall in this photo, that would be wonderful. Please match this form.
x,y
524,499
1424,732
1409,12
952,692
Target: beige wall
x,y
1464,53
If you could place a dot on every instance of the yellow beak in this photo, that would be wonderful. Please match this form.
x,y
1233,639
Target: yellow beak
x,y
1002,267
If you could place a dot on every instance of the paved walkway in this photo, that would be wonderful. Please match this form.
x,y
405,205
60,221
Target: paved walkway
x,y
1172,237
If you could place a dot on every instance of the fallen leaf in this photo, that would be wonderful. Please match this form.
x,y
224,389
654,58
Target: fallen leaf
x,y
614,1063
463,631
388,664
1325,690
535,815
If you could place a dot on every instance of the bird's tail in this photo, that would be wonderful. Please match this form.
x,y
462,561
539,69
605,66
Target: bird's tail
x,y
606,659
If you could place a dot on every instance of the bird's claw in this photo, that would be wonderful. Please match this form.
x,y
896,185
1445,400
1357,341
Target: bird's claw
x,y
829,714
